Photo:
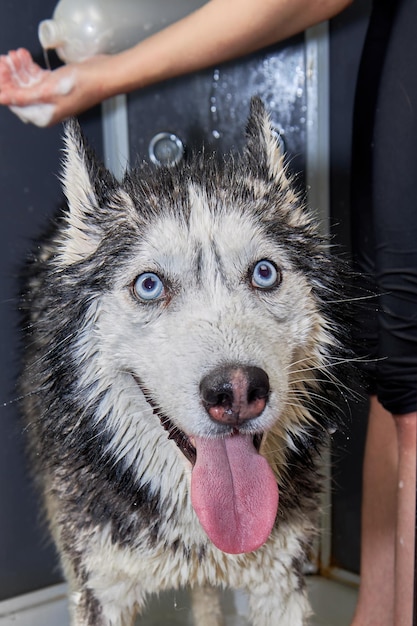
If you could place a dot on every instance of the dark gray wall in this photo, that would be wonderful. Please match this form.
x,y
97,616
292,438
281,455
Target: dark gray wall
x,y
29,192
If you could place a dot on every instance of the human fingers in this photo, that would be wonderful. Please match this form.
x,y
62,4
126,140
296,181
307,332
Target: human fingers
x,y
24,83
19,76
45,102
25,71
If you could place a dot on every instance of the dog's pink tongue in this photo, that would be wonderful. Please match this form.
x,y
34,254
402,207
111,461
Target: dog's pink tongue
x,y
234,493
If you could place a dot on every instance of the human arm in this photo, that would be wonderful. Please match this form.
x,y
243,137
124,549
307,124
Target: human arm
x,y
219,31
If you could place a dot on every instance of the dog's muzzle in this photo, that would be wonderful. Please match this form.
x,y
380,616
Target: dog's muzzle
x,y
232,396
233,489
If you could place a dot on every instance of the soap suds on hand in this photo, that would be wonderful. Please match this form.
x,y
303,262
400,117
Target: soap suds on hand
x,y
27,74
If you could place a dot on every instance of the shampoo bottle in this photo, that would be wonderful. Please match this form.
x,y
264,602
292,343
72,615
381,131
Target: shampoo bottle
x,y
80,29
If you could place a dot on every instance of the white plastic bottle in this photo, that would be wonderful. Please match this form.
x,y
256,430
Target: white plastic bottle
x,y
81,29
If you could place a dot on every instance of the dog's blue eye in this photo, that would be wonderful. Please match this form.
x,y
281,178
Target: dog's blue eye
x,y
265,275
148,286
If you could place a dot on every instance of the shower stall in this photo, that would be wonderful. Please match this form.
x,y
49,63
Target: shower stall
x,y
307,84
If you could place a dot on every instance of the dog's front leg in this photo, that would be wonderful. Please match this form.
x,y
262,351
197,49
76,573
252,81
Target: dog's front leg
x,y
273,606
276,589
273,609
206,607
87,610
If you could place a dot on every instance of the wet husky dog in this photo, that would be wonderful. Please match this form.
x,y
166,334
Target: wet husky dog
x,y
178,336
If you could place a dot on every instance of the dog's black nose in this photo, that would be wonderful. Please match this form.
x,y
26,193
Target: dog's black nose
x,y
233,394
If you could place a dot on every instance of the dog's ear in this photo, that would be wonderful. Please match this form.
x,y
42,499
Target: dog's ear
x,y
264,161
85,181
263,153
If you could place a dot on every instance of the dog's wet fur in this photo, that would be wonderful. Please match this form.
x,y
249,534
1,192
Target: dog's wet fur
x,y
180,343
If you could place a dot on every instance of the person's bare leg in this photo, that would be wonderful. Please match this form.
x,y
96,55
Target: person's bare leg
x,y
406,519
379,503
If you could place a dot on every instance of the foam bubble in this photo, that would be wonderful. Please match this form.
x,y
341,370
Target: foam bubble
x,y
65,85
38,114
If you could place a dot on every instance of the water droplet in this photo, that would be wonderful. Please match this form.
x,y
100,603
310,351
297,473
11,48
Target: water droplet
x,y
214,112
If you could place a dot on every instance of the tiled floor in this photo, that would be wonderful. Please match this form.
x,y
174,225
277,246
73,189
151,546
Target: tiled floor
x,y
333,604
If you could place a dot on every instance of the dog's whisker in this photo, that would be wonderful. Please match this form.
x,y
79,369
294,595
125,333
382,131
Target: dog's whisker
x,y
326,365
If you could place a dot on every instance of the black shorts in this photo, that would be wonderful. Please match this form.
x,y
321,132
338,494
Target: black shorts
x,y
384,202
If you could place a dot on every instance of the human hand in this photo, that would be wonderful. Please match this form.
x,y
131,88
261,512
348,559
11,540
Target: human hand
x,y
45,97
